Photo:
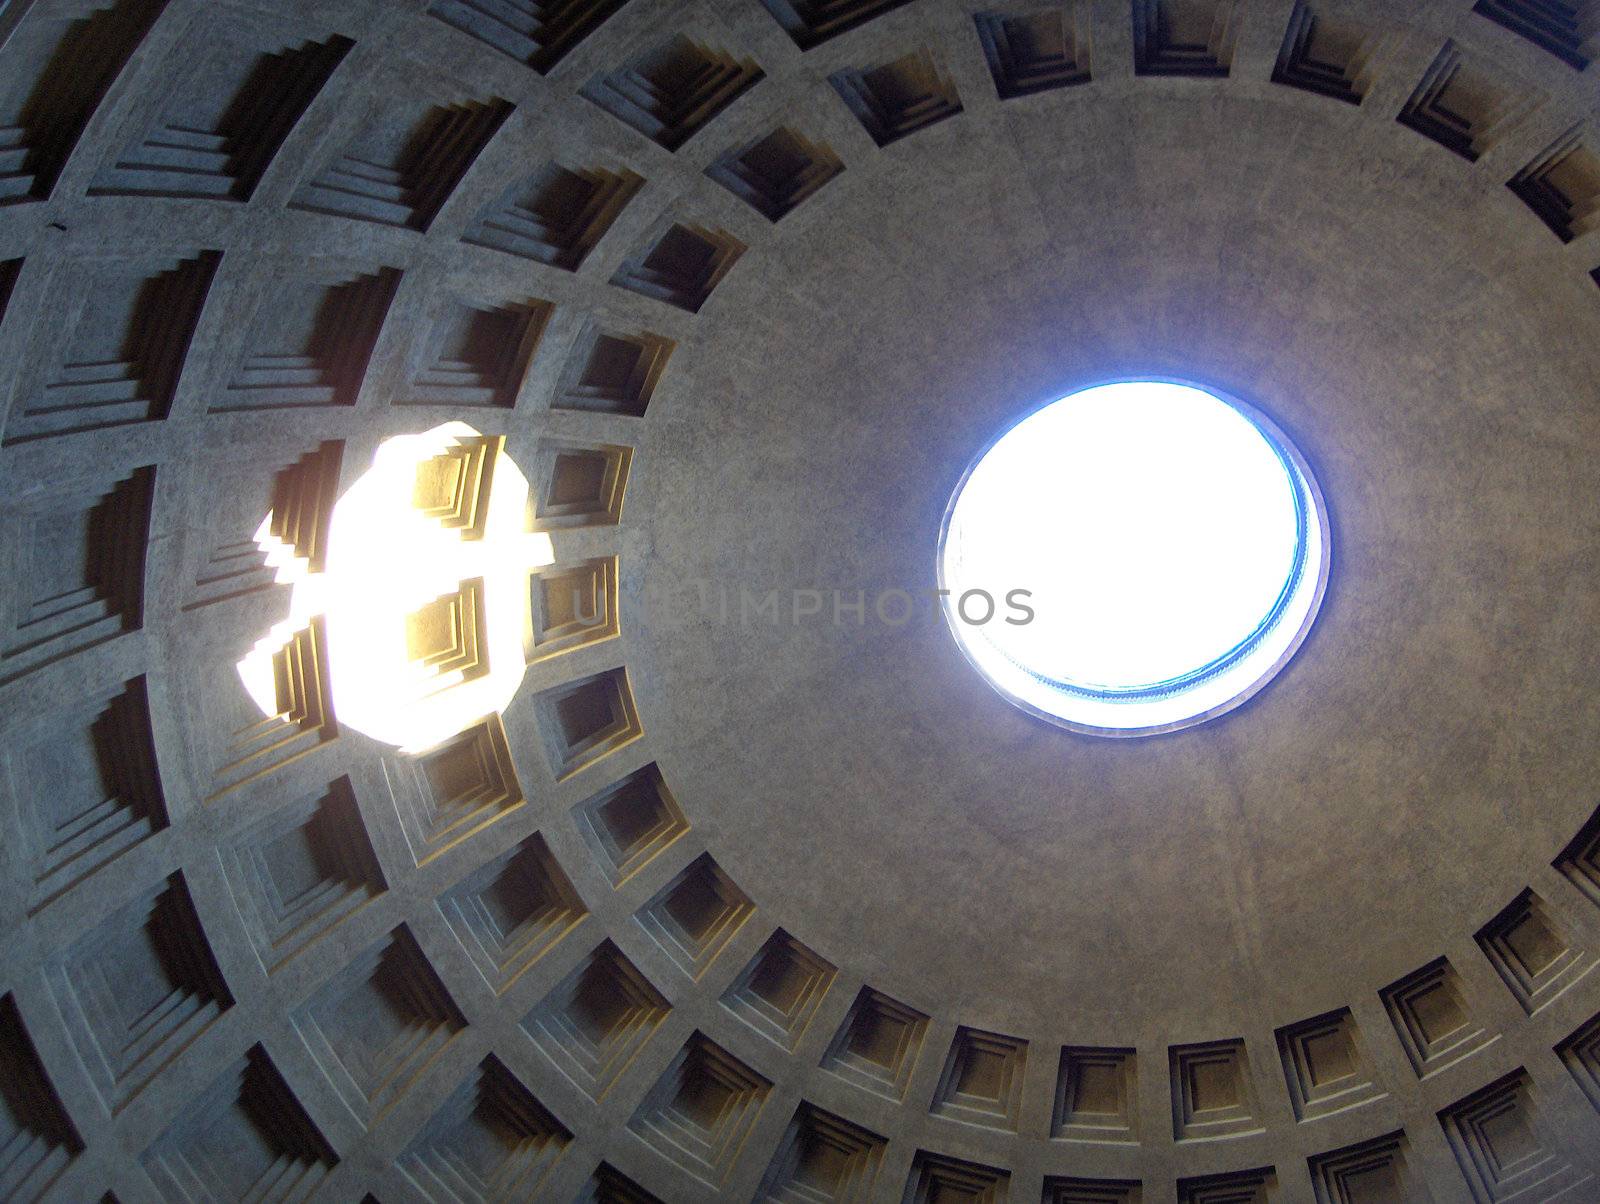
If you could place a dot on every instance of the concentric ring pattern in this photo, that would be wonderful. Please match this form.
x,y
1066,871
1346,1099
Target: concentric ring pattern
x,y
752,893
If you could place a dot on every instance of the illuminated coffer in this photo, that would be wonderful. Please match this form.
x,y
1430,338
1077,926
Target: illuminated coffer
x,y
432,594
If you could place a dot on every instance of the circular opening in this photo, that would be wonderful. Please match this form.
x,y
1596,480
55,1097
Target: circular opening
x,y
1135,557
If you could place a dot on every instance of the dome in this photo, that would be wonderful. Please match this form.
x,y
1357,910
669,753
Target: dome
x,y
479,718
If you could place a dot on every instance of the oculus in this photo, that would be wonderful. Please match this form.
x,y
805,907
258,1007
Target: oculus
x,y
1172,545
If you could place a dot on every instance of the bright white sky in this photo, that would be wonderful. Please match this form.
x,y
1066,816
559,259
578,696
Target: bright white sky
x,y
1154,524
